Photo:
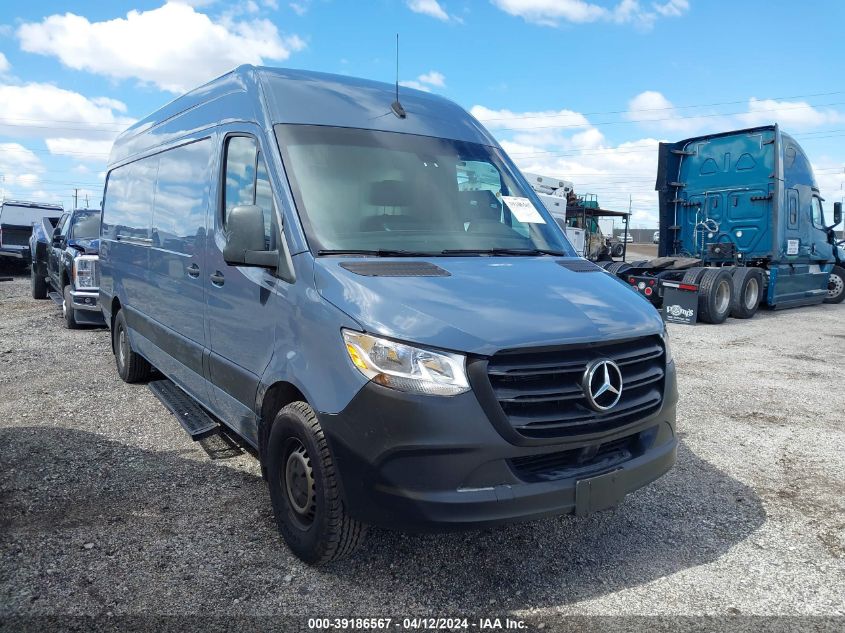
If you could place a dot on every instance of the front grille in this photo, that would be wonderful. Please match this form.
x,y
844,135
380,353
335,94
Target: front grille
x,y
540,391
581,461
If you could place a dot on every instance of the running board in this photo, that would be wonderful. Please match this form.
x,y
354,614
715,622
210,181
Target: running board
x,y
55,296
193,418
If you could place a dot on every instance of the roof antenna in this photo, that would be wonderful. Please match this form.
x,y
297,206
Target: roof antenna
x,y
397,108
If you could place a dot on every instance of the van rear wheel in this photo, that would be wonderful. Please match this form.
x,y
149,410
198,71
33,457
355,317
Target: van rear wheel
x,y
307,503
131,366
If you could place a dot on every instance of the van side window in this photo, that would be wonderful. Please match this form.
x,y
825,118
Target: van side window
x,y
247,182
128,205
181,196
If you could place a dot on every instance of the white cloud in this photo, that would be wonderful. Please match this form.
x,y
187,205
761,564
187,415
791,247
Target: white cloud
x,y
433,78
174,47
19,168
792,115
564,144
429,7
653,111
63,118
553,12
79,149
4,64
426,81
70,123
300,8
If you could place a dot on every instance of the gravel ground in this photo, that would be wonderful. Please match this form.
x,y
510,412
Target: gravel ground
x,y
107,507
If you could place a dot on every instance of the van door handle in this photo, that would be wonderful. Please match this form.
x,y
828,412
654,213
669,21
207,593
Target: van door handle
x,y
217,278
193,271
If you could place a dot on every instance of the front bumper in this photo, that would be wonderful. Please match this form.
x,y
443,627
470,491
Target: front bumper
x,y
87,305
428,463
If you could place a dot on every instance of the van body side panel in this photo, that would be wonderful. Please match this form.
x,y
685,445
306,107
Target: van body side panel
x,y
310,352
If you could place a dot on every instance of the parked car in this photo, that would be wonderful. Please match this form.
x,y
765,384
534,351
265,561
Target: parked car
x,y
16,220
65,265
371,295
656,237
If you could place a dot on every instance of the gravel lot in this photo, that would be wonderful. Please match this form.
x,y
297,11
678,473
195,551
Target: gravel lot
x,y
107,507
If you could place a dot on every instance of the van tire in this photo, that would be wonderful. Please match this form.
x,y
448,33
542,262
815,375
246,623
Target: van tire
x,y
319,530
131,366
37,283
68,313
747,292
836,285
715,295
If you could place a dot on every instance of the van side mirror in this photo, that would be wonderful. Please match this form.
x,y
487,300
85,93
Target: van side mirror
x,y
245,245
837,213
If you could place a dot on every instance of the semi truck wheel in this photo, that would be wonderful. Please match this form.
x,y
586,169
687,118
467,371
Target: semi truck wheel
x,y
715,292
304,490
617,268
131,366
68,313
39,286
747,292
836,286
693,276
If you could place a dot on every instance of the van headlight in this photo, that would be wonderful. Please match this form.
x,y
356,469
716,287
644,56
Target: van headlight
x,y
85,274
407,368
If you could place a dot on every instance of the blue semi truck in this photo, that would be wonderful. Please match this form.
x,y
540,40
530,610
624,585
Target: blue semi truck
x,y
742,223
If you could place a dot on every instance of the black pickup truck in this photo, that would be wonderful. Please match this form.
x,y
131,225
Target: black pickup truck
x,y
65,265
16,221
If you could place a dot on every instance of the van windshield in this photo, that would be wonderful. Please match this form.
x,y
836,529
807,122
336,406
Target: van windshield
x,y
389,193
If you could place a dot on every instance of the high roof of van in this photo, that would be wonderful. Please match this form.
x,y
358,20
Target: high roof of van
x,y
270,96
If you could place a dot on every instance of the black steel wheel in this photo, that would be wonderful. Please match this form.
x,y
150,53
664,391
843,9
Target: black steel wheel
x,y
307,503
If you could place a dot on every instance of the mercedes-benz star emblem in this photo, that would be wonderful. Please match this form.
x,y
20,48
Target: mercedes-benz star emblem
x,y
602,384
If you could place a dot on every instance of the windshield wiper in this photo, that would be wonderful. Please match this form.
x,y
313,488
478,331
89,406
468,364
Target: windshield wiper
x,y
502,251
380,252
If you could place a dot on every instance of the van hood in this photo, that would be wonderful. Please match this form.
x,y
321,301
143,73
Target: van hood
x,y
487,304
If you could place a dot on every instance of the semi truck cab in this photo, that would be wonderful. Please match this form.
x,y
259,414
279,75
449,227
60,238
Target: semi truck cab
x,y
742,217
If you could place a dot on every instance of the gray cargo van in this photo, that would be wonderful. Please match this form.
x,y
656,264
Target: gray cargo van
x,y
371,295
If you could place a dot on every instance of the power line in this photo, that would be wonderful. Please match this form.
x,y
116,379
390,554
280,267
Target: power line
x,y
703,105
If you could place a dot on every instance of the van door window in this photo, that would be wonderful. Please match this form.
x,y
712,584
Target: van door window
x,y
247,183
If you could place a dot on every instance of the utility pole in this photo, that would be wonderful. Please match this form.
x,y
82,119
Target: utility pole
x,y
86,201
75,196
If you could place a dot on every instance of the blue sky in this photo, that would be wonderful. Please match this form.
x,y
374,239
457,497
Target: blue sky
x,y
576,89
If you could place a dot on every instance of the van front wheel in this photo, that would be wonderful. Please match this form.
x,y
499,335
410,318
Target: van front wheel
x,y
304,490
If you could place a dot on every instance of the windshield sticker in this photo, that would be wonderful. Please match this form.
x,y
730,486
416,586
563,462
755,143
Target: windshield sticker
x,y
523,210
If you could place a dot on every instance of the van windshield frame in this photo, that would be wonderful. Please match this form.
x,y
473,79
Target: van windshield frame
x,y
379,193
